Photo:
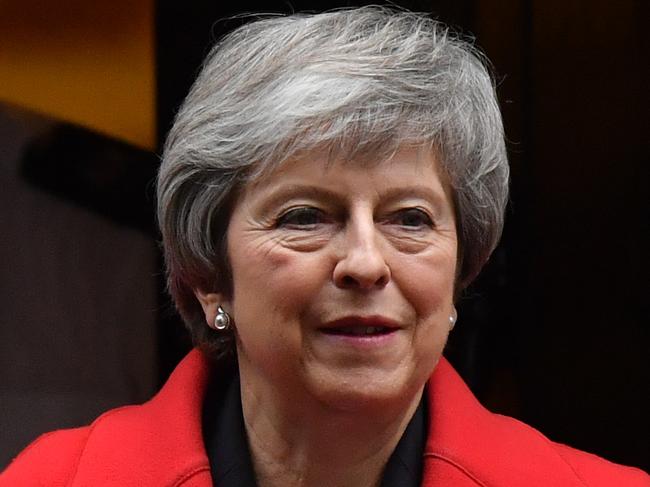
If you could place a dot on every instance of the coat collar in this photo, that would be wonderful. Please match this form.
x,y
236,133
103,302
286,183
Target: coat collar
x,y
157,443
162,440
488,448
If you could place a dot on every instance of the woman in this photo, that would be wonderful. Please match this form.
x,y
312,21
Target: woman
x,y
330,184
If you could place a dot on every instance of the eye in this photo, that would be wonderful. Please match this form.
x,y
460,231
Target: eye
x,y
305,216
412,218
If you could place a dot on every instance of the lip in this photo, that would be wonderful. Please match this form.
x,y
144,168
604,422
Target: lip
x,y
367,343
349,321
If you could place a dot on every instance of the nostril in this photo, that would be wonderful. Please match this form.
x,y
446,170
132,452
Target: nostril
x,y
382,281
349,281
360,269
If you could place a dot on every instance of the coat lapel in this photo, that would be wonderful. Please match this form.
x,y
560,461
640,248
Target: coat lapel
x,y
468,442
158,443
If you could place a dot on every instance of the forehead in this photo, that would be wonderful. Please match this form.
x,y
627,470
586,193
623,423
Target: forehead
x,y
407,167
334,161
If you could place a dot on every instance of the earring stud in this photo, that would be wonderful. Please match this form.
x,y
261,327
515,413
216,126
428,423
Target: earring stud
x,y
222,320
452,321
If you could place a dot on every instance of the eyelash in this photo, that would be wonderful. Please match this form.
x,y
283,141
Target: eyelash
x,y
425,219
291,218
295,213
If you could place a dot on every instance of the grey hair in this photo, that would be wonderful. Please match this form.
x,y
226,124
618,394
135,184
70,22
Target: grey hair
x,y
360,83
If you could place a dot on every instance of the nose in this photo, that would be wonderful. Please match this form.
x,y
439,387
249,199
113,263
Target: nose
x,y
362,264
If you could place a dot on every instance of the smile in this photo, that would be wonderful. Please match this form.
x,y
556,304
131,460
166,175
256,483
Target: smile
x,y
358,330
360,326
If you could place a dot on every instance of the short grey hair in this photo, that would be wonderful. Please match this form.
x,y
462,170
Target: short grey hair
x,y
358,82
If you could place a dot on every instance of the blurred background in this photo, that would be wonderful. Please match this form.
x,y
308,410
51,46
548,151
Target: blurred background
x,y
555,331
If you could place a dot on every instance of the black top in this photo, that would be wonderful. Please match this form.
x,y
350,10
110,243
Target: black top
x,y
230,459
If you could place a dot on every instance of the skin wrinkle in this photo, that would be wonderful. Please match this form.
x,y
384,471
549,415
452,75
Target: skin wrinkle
x,y
297,193
310,403
285,456
378,79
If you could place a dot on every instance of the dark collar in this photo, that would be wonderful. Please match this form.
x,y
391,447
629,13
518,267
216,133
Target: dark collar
x,y
225,438
404,467
230,460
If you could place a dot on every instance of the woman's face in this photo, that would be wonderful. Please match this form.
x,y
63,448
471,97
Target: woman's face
x,y
343,278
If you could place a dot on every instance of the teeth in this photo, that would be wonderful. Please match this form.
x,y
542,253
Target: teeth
x,y
362,330
358,330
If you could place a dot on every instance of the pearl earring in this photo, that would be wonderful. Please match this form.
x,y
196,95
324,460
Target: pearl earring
x,y
452,321
222,320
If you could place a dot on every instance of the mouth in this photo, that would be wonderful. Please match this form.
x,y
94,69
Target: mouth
x,y
360,327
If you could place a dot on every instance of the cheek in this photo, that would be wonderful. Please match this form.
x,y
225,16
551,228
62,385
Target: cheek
x,y
274,285
273,291
280,273
428,283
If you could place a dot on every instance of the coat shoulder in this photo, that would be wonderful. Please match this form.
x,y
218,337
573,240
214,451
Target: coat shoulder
x,y
50,460
488,449
53,458
595,471
155,443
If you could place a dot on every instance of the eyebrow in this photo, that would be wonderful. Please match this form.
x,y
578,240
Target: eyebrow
x,y
288,191
417,191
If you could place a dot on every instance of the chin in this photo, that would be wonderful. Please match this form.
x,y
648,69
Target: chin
x,y
367,390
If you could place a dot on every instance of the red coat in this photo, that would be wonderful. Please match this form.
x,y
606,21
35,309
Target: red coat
x,y
160,444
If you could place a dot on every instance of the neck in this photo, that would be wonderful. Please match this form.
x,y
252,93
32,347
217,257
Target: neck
x,y
304,443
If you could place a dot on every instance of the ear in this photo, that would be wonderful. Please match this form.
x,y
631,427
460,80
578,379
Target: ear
x,y
209,302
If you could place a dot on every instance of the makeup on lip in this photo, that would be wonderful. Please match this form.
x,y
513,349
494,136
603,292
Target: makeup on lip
x,y
360,327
